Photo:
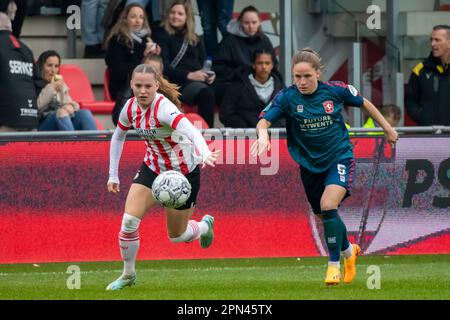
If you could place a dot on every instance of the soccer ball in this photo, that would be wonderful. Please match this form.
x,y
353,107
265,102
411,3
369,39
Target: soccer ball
x,y
171,188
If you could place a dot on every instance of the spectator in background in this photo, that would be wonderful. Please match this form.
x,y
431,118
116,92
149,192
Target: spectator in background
x,y
57,110
184,54
92,30
391,112
128,42
428,92
156,62
214,14
249,94
235,50
16,10
155,9
18,108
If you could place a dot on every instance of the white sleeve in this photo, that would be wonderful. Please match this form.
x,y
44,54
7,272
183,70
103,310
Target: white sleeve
x,y
186,128
115,152
169,114
124,122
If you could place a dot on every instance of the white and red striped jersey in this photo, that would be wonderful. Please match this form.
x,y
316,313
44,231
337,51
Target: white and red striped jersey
x,y
156,125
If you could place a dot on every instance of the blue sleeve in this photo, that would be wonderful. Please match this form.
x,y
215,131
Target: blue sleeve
x,y
276,109
350,96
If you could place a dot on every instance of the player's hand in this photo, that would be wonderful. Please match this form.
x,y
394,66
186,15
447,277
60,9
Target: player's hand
x,y
392,137
211,159
113,186
260,144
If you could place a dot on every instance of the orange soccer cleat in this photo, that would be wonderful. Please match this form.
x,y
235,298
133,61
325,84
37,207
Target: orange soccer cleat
x,y
333,276
350,265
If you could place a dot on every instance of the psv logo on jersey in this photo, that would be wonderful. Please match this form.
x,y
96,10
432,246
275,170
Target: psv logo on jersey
x,y
328,106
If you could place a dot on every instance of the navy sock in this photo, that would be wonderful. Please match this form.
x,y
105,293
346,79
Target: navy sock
x,y
332,226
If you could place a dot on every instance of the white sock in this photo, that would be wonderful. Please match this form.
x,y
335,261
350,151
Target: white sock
x,y
129,243
347,253
193,231
336,264
203,226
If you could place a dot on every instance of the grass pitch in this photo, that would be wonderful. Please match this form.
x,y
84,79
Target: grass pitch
x,y
401,277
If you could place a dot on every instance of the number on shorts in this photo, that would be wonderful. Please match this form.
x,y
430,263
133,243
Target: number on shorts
x,y
341,169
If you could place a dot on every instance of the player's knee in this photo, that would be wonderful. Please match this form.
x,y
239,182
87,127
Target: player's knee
x,y
130,223
326,205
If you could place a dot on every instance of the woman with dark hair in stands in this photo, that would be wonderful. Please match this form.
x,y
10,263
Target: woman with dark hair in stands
x,y
184,54
126,44
235,50
249,94
56,109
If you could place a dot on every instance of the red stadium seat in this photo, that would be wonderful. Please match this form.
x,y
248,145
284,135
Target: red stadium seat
x,y
106,76
197,120
99,124
81,91
409,122
187,108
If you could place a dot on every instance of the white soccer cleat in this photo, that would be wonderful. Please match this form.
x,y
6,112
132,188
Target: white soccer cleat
x,y
122,282
207,239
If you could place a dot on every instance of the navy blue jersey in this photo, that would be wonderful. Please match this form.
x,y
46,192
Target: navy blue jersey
x,y
316,132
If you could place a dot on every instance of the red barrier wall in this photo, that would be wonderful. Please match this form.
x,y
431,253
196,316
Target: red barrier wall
x,y
54,206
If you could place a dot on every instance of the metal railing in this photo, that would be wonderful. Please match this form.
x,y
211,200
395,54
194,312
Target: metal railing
x,y
215,132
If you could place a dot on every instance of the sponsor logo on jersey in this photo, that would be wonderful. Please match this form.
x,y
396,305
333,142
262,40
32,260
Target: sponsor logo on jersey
x,y
150,134
352,89
328,106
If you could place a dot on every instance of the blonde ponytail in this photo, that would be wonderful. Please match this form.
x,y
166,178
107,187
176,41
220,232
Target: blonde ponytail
x,y
170,90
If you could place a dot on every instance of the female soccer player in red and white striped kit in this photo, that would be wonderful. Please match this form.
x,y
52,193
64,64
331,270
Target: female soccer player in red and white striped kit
x,y
159,122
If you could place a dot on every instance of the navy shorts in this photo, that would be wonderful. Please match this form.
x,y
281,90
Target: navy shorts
x,y
145,176
340,173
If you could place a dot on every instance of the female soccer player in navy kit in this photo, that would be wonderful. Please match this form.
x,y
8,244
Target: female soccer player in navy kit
x,y
156,118
319,142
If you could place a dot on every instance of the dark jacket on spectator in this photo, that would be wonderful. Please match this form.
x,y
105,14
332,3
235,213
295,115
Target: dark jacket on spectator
x,y
241,106
428,93
192,59
236,49
18,107
121,60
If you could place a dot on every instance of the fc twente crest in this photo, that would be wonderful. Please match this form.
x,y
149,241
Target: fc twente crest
x,y
328,106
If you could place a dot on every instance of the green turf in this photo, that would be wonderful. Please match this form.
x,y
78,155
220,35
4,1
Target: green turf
x,y
402,277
